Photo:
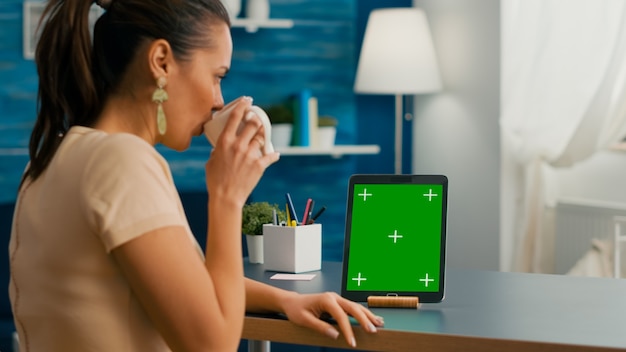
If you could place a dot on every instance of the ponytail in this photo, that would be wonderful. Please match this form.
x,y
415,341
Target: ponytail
x,y
67,95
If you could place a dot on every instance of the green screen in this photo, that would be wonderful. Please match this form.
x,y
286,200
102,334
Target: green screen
x,y
395,238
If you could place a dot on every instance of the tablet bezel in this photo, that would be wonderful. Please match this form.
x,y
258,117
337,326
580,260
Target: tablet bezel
x,y
424,297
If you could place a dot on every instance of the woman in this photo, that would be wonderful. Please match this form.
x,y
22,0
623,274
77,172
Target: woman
x,y
102,257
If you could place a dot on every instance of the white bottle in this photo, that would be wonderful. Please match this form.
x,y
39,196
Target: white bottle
x,y
258,9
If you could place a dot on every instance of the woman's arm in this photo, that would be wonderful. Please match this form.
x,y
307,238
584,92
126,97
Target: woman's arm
x,y
306,310
196,306
263,298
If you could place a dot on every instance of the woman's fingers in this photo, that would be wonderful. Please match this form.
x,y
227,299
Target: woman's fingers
x,y
340,309
237,115
324,328
259,140
252,128
249,133
344,326
326,304
364,316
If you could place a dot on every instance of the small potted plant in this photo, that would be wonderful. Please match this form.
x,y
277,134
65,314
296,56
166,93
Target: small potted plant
x,y
326,132
254,215
281,117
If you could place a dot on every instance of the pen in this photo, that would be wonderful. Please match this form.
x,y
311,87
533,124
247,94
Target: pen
x,y
290,209
294,223
310,210
288,216
274,217
317,215
307,211
308,216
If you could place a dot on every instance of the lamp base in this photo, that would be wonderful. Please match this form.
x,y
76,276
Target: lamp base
x,y
398,138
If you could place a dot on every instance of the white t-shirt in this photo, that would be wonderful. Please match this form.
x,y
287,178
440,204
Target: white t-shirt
x,y
67,292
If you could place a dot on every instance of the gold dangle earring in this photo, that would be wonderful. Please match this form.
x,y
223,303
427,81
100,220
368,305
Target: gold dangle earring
x,y
159,96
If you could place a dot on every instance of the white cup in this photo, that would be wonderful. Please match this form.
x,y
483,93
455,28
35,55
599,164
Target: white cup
x,y
215,126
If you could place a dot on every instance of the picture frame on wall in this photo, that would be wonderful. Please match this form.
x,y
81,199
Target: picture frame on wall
x,y
32,12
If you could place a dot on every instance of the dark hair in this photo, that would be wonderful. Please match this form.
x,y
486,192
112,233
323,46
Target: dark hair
x,y
75,78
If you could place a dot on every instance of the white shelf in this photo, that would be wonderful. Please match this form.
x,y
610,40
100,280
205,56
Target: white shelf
x,y
252,25
336,151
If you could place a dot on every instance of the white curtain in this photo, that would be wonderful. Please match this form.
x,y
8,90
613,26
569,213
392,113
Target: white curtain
x,y
563,99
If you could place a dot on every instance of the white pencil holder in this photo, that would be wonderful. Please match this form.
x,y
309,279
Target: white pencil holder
x,y
292,249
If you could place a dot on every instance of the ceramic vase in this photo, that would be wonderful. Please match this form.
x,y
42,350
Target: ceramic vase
x,y
281,135
326,137
255,248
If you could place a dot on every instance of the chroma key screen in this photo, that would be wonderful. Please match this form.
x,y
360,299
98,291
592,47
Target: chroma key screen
x,y
395,233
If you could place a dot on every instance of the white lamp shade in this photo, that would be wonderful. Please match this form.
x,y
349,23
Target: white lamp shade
x,y
397,56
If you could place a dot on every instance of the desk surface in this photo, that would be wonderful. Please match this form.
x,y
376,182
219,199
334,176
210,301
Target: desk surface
x,y
482,311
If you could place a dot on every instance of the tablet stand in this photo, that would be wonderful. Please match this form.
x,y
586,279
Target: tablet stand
x,y
393,302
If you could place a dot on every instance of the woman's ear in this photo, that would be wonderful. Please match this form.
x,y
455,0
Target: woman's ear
x,y
161,58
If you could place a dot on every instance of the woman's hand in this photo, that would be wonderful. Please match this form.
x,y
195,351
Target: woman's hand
x,y
307,309
236,164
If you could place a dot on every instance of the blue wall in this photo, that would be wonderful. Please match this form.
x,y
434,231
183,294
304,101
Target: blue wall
x,y
319,53
18,92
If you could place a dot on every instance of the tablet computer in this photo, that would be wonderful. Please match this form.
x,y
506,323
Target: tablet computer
x,y
395,237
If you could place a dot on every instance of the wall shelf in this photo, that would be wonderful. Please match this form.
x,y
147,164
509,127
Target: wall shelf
x,y
252,25
336,151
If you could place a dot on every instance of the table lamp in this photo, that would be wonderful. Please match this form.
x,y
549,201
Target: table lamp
x,y
397,57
